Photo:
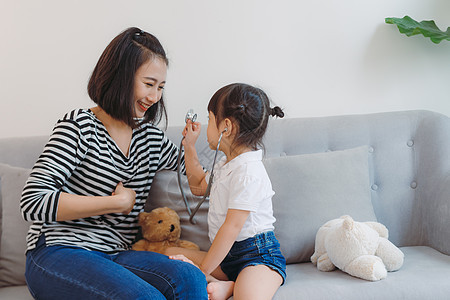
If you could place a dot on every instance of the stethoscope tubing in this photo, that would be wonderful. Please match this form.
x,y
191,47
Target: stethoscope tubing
x,y
208,188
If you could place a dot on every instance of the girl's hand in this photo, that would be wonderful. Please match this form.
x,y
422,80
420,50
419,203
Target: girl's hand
x,y
191,133
126,198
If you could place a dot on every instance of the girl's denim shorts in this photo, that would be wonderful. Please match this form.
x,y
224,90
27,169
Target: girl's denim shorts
x,y
261,249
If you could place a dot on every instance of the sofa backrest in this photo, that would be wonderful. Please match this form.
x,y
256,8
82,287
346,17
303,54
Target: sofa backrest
x,y
21,151
407,152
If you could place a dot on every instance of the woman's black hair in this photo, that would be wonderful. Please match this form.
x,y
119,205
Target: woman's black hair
x,y
249,107
111,85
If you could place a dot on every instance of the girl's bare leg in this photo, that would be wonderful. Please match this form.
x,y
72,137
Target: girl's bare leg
x,y
257,282
220,290
195,255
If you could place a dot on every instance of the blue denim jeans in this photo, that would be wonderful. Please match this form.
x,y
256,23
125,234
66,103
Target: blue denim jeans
x,y
261,249
62,272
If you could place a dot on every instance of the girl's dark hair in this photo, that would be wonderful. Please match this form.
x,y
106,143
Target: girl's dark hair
x,y
249,107
111,85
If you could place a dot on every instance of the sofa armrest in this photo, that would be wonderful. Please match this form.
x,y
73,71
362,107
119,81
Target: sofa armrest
x,y
434,180
438,217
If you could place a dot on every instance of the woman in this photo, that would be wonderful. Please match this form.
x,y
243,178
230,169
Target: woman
x,y
88,187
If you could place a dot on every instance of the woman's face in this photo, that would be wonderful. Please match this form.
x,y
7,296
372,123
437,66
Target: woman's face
x,y
149,83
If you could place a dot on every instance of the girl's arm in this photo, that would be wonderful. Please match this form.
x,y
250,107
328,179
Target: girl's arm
x,y
224,239
194,170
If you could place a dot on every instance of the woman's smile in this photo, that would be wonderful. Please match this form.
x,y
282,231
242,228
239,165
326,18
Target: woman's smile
x,y
143,105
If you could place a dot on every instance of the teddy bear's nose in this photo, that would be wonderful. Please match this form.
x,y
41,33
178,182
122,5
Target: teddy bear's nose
x,y
172,228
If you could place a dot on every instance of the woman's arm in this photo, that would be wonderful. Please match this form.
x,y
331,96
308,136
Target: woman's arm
x,y
71,207
43,199
224,239
194,170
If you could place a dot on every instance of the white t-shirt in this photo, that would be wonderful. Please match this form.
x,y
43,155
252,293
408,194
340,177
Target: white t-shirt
x,y
242,184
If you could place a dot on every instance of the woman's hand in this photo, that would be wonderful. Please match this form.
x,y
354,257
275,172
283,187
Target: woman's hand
x,y
182,258
126,198
71,207
191,133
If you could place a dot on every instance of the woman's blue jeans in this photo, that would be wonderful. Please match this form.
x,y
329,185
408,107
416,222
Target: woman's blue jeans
x,y
62,272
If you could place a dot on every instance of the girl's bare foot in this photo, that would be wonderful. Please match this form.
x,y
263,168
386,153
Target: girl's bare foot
x,y
220,290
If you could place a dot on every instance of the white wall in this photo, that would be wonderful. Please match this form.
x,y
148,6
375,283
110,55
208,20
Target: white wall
x,y
313,58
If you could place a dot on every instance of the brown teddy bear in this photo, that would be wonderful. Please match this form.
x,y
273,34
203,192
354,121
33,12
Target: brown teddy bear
x,y
161,229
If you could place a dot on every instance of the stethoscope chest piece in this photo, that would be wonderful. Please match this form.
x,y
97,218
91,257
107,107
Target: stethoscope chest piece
x,y
190,115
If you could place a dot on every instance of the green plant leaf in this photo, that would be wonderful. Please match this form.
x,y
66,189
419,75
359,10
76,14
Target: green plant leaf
x,y
409,26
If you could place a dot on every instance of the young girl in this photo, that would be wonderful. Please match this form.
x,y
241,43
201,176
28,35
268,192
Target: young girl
x,y
245,256
91,182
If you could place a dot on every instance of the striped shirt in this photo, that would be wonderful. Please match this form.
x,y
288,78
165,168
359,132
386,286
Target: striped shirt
x,y
81,158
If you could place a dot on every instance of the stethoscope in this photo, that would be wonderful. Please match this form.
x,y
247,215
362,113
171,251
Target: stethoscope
x,y
190,115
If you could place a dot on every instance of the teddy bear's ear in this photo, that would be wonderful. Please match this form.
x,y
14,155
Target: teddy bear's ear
x,y
170,212
348,223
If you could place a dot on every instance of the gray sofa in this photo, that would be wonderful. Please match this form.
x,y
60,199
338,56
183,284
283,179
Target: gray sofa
x,y
391,167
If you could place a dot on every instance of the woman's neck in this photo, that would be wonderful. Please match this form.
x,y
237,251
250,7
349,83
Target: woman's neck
x,y
107,120
119,131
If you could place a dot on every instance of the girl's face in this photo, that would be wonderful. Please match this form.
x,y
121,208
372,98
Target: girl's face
x,y
212,132
149,83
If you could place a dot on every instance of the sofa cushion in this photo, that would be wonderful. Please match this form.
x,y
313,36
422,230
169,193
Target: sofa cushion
x,y
13,227
424,275
312,189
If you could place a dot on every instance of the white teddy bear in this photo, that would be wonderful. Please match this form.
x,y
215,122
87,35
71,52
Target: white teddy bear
x,y
361,249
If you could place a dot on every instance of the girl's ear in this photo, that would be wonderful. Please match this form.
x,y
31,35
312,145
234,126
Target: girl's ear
x,y
228,125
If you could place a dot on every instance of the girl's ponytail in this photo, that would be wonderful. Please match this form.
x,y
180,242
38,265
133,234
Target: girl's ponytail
x,y
276,112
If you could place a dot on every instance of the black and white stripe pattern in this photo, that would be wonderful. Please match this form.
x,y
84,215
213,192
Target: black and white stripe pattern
x,y
82,159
